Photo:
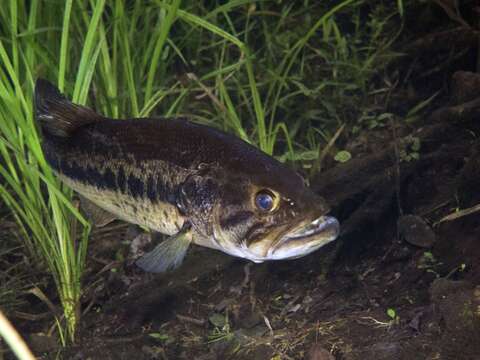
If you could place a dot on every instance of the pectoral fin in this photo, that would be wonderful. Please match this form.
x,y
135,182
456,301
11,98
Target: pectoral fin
x,y
168,255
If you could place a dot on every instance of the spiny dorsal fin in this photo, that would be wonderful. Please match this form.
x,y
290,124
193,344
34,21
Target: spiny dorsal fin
x,y
57,115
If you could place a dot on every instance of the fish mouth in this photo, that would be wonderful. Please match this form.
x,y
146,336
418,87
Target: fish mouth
x,y
305,238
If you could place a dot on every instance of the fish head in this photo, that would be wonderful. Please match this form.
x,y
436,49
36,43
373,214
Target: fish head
x,y
270,215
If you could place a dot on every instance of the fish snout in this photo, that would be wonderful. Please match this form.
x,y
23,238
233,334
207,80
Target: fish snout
x,y
306,239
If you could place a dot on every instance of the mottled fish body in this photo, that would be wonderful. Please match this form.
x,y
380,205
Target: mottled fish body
x,y
186,180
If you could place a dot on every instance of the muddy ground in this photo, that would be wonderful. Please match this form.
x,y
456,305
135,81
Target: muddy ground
x,y
402,282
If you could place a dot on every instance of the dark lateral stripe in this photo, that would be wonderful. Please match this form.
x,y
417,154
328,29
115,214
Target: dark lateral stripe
x,y
113,180
156,187
135,186
121,180
89,175
151,188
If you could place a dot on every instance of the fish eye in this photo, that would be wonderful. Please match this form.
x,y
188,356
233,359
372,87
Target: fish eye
x,y
265,200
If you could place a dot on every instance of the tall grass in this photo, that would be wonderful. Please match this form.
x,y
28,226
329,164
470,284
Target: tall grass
x,y
42,209
250,67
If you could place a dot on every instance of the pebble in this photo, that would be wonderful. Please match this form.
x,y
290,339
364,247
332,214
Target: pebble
x,y
415,231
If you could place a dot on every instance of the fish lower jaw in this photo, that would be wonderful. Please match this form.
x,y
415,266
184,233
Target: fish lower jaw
x,y
298,252
244,253
319,226
238,250
306,239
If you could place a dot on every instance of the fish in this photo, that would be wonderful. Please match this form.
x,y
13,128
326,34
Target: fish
x,y
195,183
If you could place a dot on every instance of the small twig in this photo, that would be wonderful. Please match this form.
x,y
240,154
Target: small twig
x,y
460,37
435,208
246,270
380,324
239,289
289,305
452,12
31,317
191,320
207,91
458,214
251,296
111,265
41,295
317,167
463,112
55,325
123,339
397,168
89,306
267,322
101,261
391,247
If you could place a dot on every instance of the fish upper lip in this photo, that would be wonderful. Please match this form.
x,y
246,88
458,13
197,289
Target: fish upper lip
x,y
319,225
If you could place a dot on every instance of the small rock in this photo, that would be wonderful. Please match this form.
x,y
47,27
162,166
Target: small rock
x,y
250,320
138,244
443,288
414,230
317,352
41,342
465,86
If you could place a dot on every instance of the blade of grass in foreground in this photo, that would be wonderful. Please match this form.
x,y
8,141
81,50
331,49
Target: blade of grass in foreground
x,y
31,192
14,340
44,213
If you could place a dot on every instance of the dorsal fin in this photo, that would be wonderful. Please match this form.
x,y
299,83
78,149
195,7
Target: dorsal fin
x,y
57,115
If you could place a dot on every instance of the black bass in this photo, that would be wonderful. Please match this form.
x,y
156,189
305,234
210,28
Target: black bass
x,y
195,183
